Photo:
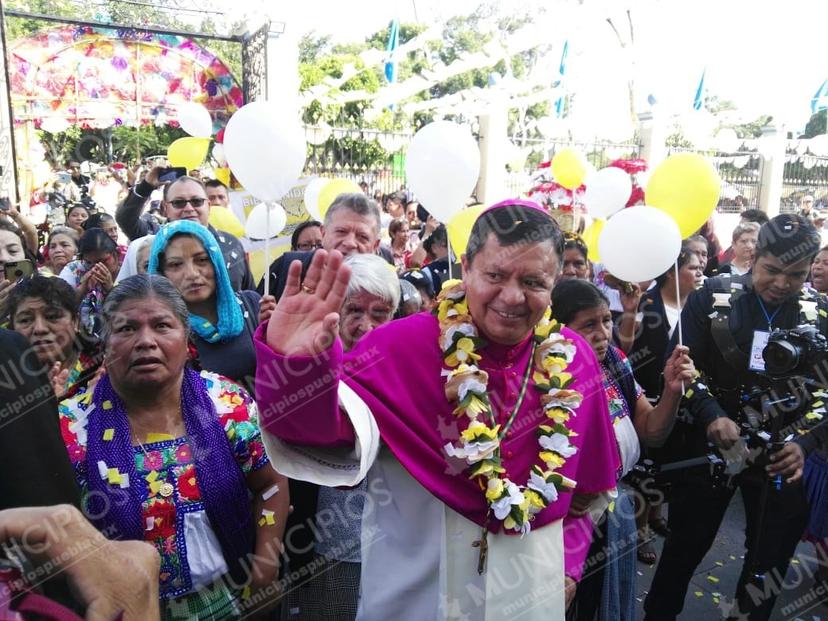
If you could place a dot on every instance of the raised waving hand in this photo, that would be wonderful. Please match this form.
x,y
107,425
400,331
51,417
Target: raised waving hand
x,y
306,319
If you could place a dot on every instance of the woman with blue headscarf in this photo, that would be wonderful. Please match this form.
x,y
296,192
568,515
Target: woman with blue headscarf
x,y
222,320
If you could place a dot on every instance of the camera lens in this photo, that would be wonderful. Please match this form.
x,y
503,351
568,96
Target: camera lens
x,y
780,357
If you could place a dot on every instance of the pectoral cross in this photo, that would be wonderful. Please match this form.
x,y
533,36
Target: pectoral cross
x,y
483,544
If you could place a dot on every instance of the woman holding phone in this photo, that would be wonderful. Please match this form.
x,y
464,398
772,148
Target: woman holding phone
x,y
15,263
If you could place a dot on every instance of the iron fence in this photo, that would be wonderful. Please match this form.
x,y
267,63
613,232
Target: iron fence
x,y
741,175
373,156
804,175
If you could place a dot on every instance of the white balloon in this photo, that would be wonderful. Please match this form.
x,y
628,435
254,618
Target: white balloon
x,y
442,166
218,154
258,226
265,148
639,243
312,192
195,120
607,191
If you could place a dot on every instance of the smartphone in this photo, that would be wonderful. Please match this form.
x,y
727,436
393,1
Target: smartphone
x,y
166,175
17,270
5,203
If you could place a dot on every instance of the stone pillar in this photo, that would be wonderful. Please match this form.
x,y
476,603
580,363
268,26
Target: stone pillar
x,y
652,136
491,185
772,150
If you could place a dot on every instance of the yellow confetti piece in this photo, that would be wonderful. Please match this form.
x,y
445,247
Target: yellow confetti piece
x,y
262,521
108,434
611,507
155,486
152,476
158,437
795,562
719,563
713,579
689,393
231,433
732,558
113,476
107,405
813,416
822,312
716,600
817,404
271,521
246,592
699,594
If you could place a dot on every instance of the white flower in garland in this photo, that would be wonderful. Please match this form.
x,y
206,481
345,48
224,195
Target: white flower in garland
x,y
539,484
559,443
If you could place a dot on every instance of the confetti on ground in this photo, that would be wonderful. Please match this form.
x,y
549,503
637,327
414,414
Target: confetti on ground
x,y
713,579
719,563
716,600
795,562
699,594
639,573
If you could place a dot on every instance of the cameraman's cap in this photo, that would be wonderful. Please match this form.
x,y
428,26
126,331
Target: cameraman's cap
x,y
788,237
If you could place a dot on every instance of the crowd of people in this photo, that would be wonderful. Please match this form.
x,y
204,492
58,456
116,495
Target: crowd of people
x,y
396,432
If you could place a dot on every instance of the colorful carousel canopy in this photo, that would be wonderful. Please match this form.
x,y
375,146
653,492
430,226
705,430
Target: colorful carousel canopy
x,y
100,77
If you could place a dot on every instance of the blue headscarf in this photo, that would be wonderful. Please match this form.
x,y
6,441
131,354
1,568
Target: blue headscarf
x,y
230,319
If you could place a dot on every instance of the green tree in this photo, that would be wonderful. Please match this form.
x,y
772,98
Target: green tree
x,y
817,124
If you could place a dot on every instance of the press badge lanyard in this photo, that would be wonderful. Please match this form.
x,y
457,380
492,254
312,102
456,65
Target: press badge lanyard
x,y
760,339
770,318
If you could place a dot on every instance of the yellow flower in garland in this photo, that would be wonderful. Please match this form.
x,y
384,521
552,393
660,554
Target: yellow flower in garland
x,y
486,468
479,432
536,501
473,408
560,380
552,459
558,415
494,489
463,353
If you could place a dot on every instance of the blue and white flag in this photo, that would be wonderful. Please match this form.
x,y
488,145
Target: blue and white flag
x,y
391,48
698,100
820,99
559,103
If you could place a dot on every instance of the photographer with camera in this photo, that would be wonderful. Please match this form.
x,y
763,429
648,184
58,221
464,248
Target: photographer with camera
x,y
727,325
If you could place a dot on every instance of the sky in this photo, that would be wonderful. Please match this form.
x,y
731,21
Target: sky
x,y
768,57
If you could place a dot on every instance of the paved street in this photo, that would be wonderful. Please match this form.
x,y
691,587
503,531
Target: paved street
x,y
715,580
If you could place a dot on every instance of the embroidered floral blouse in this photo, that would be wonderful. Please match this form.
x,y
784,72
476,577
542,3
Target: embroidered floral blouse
x,y
174,515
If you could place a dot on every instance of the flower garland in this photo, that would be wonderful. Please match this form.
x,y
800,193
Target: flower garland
x,y
479,445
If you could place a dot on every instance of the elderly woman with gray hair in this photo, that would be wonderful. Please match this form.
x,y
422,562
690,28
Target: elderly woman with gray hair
x,y
333,592
173,457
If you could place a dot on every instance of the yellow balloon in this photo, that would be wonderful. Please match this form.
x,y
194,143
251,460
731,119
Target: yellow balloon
x,y
590,237
686,187
225,220
332,189
459,228
223,175
188,152
569,167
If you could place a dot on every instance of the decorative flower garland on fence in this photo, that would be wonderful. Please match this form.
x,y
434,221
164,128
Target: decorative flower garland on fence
x,y
479,445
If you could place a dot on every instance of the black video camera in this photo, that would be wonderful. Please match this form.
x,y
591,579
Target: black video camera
x,y
794,352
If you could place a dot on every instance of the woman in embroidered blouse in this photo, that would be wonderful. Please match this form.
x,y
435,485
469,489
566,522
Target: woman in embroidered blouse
x,y
222,321
585,309
174,457
45,311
